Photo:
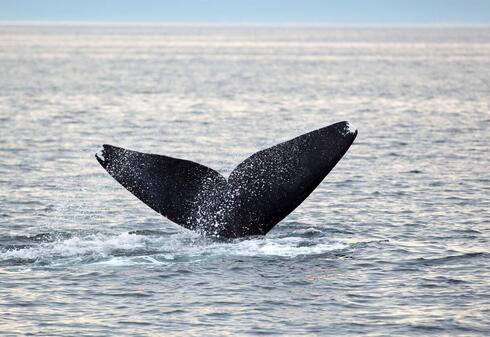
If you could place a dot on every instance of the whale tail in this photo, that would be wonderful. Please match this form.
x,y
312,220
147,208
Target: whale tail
x,y
260,192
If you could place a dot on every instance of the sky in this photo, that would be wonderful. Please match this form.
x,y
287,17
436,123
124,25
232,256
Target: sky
x,y
395,12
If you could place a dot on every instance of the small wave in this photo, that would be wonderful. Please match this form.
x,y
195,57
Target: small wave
x,y
308,232
447,259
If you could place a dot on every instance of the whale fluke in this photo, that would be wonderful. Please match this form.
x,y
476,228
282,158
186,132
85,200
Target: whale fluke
x,y
260,191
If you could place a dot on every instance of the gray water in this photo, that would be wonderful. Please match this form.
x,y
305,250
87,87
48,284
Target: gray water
x,y
395,241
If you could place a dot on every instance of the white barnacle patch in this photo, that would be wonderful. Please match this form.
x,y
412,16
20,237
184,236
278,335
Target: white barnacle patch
x,y
100,154
349,128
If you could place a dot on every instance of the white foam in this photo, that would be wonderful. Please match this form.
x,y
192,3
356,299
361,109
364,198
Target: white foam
x,y
101,248
99,244
284,247
122,261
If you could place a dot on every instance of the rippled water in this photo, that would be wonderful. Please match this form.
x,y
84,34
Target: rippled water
x,y
395,241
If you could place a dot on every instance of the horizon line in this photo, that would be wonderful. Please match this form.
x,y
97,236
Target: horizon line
x,y
235,24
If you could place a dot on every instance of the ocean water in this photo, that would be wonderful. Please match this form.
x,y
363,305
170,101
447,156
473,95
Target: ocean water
x,y
394,242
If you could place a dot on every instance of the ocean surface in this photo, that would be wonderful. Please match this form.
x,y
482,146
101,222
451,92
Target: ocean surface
x,y
394,242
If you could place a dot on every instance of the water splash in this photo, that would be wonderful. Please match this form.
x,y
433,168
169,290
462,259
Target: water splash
x,y
132,247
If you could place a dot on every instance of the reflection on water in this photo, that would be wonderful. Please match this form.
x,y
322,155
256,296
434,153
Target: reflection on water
x,y
394,241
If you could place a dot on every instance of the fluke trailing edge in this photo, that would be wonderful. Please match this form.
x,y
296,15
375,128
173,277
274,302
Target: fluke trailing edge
x,y
260,192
